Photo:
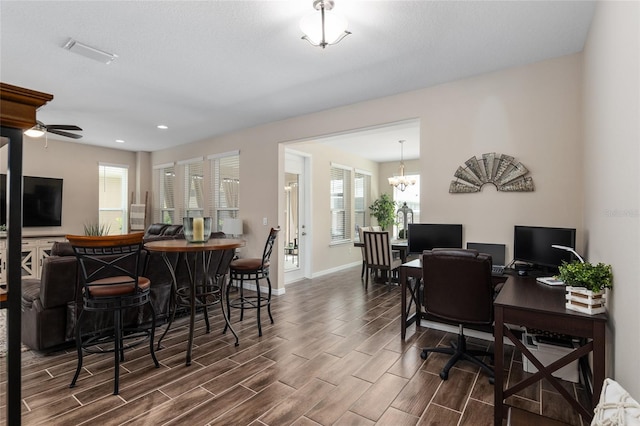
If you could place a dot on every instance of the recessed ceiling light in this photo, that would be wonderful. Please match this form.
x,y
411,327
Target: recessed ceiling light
x,y
119,140
162,127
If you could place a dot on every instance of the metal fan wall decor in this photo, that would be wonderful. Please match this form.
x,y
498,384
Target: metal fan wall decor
x,y
498,169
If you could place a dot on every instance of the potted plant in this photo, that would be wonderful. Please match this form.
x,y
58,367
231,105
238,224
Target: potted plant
x,y
96,230
586,285
383,209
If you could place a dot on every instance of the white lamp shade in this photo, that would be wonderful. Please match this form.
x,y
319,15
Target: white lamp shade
x,y
232,226
335,27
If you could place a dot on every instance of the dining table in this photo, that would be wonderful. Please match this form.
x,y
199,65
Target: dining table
x,y
213,285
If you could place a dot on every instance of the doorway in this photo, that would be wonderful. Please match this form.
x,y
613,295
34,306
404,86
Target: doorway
x,y
296,234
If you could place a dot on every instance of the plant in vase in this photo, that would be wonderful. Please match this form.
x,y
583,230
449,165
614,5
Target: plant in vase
x,y
383,209
586,284
96,230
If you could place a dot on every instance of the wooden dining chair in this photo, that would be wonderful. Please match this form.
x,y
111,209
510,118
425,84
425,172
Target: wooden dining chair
x,y
378,255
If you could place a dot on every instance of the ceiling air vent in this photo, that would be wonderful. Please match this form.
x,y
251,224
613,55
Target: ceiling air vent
x,y
89,52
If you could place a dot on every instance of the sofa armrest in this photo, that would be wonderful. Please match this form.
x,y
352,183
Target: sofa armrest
x,y
59,281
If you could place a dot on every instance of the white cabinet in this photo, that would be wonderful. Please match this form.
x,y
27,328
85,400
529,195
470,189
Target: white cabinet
x,y
32,255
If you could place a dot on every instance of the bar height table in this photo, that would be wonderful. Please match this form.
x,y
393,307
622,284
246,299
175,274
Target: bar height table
x,y
205,250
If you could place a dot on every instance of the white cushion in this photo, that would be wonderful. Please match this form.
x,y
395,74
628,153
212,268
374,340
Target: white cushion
x,y
615,407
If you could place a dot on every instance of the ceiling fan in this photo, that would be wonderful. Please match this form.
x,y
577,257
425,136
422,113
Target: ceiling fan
x,y
58,129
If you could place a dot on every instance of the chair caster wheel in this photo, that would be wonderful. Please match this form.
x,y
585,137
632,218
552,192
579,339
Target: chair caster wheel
x,y
492,380
424,354
444,375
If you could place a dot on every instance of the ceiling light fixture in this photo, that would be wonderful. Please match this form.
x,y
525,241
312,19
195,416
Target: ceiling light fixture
x,y
119,141
324,28
36,131
162,126
89,52
401,182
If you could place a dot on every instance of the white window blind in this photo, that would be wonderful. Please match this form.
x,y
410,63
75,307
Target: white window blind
x,y
340,193
194,189
163,186
361,199
113,198
225,197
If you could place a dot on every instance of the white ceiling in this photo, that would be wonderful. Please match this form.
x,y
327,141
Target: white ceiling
x,y
206,68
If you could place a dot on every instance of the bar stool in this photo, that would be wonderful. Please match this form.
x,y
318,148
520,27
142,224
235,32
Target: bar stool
x,y
109,269
252,269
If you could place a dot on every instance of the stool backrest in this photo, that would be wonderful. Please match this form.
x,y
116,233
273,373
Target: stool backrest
x,y
101,257
268,247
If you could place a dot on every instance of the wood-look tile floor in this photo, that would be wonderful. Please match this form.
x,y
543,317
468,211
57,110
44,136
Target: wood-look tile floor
x,y
333,357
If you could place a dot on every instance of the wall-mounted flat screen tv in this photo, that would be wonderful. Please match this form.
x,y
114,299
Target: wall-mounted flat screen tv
x,y
532,244
427,236
41,201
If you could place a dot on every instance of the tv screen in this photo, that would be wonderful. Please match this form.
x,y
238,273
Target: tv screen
x,y
427,236
532,244
41,201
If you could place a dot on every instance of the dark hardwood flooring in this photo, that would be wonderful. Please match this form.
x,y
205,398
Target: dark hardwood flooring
x,y
333,357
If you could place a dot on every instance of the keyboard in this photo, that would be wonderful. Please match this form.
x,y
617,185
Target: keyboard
x,y
497,270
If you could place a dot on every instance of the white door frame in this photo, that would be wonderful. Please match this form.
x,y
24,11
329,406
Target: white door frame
x,y
300,163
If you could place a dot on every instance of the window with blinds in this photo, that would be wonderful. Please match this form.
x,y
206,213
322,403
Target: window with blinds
x,y
340,203
225,190
113,199
163,185
194,189
361,199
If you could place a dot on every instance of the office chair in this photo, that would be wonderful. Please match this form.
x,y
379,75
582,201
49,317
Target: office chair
x,y
458,289
109,270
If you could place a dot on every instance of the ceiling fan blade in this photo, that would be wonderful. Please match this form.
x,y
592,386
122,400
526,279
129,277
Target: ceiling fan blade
x,y
63,127
63,133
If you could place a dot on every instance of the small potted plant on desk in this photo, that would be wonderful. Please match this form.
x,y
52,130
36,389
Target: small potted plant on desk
x,y
586,285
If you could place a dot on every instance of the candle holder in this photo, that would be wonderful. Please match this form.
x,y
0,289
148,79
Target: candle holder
x,y
197,229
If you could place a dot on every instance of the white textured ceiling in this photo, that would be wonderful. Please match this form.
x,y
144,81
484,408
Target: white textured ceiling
x,y
206,68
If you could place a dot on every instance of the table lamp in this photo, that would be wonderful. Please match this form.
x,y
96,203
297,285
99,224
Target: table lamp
x,y
569,249
232,226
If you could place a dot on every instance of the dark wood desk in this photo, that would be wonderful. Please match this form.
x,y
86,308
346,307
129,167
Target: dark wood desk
x,y
523,301
410,275
183,246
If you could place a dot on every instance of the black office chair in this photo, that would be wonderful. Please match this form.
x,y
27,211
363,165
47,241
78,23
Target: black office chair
x,y
458,289
252,269
109,269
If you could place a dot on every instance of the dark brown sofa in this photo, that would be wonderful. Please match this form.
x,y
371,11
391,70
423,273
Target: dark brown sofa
x,y
51,304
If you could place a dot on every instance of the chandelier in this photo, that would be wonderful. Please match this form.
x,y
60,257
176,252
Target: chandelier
x,y
324,28
401,182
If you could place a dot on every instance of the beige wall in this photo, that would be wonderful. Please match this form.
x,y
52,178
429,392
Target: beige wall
x,y
611,178
77,165
532,113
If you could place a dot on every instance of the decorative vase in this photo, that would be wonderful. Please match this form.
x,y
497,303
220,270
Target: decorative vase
x,y
197,229
586,301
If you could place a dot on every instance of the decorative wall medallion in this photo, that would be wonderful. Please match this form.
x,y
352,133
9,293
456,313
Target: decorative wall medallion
x,y
498,169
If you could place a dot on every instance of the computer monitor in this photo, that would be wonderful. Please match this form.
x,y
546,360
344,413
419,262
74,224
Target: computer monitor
x,y
427,236
532,244
496,251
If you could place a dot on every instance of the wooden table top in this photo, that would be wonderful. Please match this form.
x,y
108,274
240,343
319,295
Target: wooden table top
x,y
182,246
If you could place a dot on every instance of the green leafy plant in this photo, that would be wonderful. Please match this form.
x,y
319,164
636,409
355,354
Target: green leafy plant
x,y
383,209
592,277
3,228
96,230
